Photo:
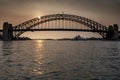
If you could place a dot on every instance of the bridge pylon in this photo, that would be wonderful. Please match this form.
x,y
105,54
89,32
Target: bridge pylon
x,y
113,32
7,32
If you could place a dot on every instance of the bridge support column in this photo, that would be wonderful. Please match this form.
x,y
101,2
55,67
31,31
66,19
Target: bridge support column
x,y
7,32
116,32
113,32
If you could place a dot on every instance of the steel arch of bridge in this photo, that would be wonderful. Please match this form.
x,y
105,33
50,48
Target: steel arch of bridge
x,y
82,20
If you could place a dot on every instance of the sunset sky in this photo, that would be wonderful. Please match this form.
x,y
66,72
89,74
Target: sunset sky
x,y
105,12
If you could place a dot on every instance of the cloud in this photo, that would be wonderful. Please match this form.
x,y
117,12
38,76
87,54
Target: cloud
x,y
106,6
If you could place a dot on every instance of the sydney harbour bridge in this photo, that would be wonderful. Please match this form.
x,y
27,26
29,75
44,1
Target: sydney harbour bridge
x,y
60,22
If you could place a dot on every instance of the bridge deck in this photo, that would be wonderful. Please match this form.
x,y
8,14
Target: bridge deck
x,y
85,30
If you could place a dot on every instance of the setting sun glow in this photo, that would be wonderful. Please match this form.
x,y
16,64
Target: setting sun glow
x,y
39,17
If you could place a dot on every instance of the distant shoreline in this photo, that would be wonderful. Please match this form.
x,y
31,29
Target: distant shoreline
x,y
64,40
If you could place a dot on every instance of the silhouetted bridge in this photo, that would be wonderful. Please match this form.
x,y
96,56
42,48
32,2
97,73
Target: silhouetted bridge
x,y
59,22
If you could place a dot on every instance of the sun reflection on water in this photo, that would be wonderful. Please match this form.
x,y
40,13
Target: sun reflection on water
x,y
39,45
37,71
38,56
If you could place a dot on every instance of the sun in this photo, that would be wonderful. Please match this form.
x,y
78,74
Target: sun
x,y
39,17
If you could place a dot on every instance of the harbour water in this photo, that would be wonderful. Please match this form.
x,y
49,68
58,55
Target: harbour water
x,y
59,60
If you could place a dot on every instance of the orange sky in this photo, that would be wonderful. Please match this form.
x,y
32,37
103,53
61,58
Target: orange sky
x,y
105,12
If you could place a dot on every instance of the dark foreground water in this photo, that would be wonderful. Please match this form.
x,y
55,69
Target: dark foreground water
x,y
60,60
